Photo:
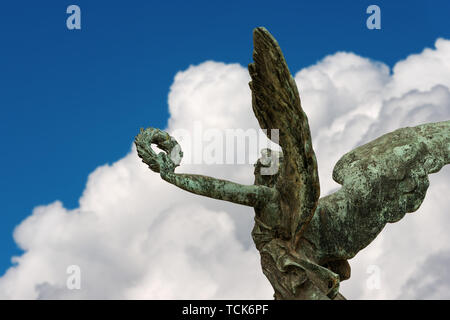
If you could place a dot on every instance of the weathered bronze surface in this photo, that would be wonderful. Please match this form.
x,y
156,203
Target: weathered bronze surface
x,y
305,241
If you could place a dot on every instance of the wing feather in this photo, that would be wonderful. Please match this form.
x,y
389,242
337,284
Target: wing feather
x,y
276,104
381,181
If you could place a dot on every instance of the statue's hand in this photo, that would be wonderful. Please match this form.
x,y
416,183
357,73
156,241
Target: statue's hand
x,y
166,165
164,162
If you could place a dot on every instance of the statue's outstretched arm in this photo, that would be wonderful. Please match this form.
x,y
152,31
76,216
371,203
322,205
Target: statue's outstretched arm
x,y
166,162
249,195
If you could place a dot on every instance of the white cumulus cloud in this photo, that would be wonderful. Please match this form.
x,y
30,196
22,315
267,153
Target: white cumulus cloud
x,y
136,237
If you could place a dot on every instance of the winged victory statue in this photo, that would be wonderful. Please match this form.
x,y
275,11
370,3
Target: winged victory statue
x,y
305,241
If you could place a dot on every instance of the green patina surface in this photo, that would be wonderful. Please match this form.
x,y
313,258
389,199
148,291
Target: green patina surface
x,y
305,241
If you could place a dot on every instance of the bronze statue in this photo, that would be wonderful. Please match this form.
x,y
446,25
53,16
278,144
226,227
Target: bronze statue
x,y
305,241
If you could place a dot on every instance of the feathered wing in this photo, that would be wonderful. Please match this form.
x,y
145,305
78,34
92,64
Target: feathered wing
x,y
381,181
276,104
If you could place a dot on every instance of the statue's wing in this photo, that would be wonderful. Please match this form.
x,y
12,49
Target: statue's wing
x,y
381,181
276,104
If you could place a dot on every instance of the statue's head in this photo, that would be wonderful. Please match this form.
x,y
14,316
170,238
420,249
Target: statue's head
x,y
268,167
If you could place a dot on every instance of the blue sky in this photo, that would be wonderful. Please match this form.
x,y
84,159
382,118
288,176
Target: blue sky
x,y
73,100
